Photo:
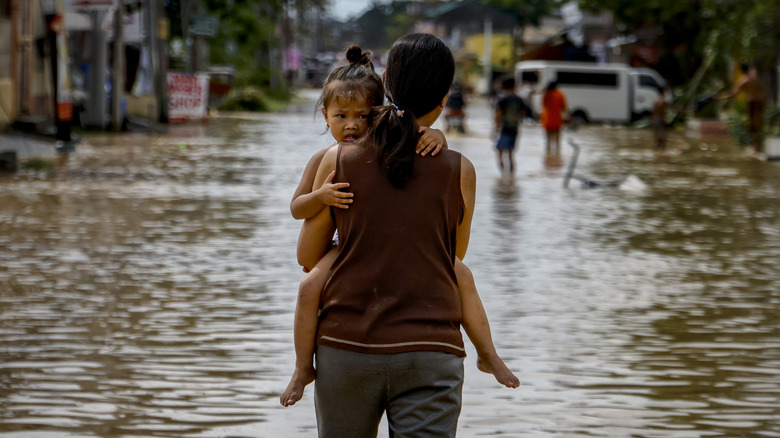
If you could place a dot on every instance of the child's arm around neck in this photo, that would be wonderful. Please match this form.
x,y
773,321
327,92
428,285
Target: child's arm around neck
x,y
431,141
308,201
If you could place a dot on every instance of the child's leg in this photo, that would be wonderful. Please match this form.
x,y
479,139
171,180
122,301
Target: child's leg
x,y
556,150
477,327
548,142
305,328
510,154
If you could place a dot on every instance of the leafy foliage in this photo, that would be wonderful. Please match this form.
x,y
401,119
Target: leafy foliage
x,y
526,11
245,99
696,33
248,35
382,24
246,31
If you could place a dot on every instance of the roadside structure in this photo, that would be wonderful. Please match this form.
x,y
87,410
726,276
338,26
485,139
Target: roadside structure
x,y
56,68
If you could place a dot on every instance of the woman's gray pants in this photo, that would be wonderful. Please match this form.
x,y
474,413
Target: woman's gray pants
x,y
421,392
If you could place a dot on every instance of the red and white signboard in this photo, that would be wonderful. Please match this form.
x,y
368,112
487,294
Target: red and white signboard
x,y
188,96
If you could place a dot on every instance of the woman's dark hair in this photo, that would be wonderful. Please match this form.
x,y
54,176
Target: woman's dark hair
x,y
420,71
356,79
552,85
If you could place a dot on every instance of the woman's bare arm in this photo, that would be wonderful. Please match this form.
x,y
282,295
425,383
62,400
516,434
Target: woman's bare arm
x,y
468,182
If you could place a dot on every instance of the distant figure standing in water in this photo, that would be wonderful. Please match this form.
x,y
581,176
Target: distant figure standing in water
x,y
755,97
454,109
509,113
658,120
554,107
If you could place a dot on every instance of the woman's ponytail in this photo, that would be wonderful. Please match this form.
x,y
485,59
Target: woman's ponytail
x,y
420,70
394,132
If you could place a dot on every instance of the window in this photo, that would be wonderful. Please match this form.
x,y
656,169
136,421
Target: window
x,y
529,77
588,79
648,81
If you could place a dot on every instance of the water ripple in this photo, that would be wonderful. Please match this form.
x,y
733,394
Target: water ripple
x,y
148,287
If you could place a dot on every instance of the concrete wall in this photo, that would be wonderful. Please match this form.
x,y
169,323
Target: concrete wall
x,y
144,107
7,107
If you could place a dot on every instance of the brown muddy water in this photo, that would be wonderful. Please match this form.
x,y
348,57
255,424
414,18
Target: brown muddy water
x,y
147,286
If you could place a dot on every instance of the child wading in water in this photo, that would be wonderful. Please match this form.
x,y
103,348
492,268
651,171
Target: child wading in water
x,y
348,95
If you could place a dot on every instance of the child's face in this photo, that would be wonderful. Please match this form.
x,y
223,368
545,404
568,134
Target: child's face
x,y
346,117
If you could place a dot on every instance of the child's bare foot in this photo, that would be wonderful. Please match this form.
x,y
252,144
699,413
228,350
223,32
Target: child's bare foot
x,y
294,392
499,370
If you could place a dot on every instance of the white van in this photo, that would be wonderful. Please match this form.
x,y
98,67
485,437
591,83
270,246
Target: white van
x,y
594,92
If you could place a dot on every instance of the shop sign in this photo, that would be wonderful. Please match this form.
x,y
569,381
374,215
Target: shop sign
x,y
188,96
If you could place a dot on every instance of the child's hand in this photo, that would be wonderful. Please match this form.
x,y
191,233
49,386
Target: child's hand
x,y
431,141
330,193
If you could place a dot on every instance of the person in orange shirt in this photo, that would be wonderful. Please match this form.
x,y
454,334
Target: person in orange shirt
x,y
553,110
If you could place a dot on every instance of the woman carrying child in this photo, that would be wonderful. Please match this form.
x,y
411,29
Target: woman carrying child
x,y
388,338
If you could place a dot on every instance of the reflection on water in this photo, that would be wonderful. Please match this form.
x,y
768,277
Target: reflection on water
x,y
147,287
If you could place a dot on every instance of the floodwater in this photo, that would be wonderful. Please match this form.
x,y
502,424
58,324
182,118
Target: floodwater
x,y
147,286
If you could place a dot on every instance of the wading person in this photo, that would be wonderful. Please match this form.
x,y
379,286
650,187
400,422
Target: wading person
x,y
348,95
553,109
755,99
388,340
508,115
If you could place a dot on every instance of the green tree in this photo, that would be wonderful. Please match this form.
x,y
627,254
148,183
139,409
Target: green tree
x,y
382,24
245,36
700,40
252,34
526,13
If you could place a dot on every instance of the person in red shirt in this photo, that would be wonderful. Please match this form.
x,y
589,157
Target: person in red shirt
x,y
553,110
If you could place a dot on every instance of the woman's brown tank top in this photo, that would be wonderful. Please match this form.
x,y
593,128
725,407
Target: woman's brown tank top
x,y
392,287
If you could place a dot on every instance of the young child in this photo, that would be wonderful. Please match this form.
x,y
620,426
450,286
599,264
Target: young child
x,y
554,108
658,120
347,97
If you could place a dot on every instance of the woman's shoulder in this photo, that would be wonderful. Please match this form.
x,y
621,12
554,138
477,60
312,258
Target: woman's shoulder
x,y
446,155
316,159
446,151
449,158
329,157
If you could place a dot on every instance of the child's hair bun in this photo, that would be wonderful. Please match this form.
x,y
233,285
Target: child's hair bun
x,y
356,55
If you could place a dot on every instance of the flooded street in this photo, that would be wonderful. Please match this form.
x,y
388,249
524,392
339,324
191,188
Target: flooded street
x,y
148,283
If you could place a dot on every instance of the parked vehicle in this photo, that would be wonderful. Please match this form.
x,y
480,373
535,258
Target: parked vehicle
x,y
594,92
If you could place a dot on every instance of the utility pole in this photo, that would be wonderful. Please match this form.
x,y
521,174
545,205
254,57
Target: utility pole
x,y
118,83
487,59
162,31
156,36
14,53
187,7
96,106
